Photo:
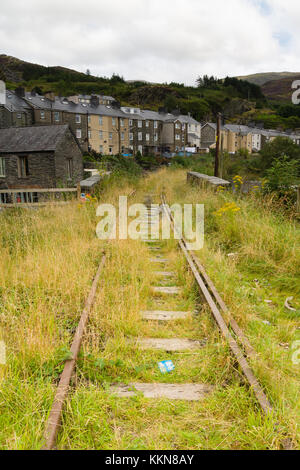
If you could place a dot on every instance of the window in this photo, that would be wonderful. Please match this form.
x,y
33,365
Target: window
x,y
147,123
177,136
156,137
147,137
122,136
19,116
101,134
130,136
78,119
100,121
90,133
140,148
155,124
140,123
122,122
56,116
70,168
89,119
113,121
130,122
101,148
2,167
42,114
110,136
177,125
78,133
23,170
140,136
110,149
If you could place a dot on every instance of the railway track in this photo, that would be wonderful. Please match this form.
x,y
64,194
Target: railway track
x,y
165,315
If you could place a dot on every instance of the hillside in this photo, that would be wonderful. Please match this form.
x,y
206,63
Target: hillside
x,y
280,90
233,97
262,78
240,101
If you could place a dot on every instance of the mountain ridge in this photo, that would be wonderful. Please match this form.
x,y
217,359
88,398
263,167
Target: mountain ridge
x,y
265,77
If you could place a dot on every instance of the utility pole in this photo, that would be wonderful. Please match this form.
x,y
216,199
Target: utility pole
x,y
216,173
119,134
185,139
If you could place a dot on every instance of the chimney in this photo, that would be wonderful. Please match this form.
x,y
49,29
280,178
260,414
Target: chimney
x,y
50,95
20,92
95,101
74,99
116,104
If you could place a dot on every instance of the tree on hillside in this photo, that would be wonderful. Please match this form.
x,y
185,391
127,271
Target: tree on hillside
x,y
116,79
170,103
207,82
245,89
279,147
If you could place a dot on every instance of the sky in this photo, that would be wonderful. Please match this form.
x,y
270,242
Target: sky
x,y
155,40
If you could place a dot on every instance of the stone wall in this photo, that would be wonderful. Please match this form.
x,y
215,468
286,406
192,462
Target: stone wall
x,y
68,149
41,171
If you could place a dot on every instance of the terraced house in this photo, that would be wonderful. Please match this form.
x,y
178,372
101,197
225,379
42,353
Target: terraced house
x,y
193,131
235,137
87,99
174,134
106,129
52,110
145,128
15,112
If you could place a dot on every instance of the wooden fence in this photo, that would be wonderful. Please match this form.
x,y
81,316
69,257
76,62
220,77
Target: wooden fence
x,y
29,197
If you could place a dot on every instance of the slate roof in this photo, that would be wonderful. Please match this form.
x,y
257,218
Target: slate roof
x,y
31,139
14,103
63,104
245,130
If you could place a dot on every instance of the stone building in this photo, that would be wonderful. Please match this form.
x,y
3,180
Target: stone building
x,y
52,110
145,128
39,157
174,134
15,111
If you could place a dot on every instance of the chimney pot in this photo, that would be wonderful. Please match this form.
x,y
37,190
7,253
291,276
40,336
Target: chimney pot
x,y
20,92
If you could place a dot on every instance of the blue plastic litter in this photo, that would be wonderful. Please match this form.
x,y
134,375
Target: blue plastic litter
x,y
166,366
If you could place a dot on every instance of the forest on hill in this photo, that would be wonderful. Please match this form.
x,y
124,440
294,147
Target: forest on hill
x,y
239,100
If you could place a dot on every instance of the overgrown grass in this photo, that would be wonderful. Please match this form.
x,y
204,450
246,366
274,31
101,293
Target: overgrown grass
x,y
48,261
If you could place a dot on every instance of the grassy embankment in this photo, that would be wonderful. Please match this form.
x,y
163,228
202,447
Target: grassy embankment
x,y
48,260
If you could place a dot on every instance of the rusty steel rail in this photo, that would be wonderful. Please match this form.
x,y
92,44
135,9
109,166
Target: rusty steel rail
x,y
235,349
54,419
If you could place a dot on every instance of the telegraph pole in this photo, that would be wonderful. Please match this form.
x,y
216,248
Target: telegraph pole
x,y
217,163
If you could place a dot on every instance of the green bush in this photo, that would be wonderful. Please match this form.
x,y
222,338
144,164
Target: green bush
x,y
282,175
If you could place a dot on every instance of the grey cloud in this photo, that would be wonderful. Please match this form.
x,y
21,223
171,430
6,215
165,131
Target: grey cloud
x,y
158,40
